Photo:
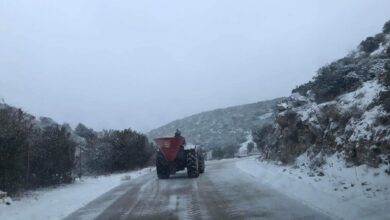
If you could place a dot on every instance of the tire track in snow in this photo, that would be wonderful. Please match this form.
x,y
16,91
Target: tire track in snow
x,y
193,202
139,198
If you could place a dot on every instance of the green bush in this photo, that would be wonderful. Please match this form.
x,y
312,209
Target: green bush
x,y
331,82
386,28
52,161
303,89
225,152
370,44
31,156
386,76
262,137
114,150
384,100
15,130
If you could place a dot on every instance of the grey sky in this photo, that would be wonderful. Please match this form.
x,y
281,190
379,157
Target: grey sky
x,y
140,64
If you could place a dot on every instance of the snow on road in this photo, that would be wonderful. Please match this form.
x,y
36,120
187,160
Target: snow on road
x,y
345,193
58,202
222,192
337,191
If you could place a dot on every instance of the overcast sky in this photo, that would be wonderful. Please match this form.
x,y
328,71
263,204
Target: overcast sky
x,y
140,64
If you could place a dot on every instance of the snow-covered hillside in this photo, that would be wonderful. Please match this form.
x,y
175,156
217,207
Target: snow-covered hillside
x,y
221,127
345,109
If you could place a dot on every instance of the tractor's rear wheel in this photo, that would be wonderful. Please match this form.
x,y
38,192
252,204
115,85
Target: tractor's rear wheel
x,y
162,166
192,164
201,163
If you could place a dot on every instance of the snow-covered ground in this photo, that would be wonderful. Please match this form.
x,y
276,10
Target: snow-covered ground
x,y
57,203
243,150
345,193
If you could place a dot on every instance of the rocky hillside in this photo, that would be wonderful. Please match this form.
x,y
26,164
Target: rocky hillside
x,y
221,127
344,109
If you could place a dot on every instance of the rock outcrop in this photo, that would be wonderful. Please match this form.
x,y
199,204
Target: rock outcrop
x,y
344,109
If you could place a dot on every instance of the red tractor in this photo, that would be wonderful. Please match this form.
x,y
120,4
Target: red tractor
x,y
174,155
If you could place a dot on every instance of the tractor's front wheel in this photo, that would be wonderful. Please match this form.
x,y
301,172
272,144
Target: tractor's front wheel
x,y
162,166
192,164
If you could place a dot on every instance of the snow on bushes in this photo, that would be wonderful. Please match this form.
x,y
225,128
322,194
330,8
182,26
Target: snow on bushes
x,y
345,109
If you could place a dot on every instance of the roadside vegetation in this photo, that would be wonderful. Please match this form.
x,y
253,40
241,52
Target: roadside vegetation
x,y
39,152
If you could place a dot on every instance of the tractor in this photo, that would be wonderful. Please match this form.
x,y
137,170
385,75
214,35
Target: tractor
x,y
173,155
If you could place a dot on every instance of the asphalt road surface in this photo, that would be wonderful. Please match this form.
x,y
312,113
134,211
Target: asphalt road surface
x,y
222,192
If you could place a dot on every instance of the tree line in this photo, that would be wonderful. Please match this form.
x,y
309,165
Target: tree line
x,y
112,151
36,153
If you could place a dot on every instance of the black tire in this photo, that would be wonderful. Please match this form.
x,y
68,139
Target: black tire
x,y
162,166
201,163
192,164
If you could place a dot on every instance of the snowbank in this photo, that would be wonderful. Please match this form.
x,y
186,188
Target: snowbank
x,y
57,203
4,199
340,192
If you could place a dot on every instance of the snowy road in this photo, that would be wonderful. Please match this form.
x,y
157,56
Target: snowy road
x,y
222,192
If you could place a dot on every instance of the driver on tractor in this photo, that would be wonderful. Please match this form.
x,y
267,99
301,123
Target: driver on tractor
x,y
178,134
